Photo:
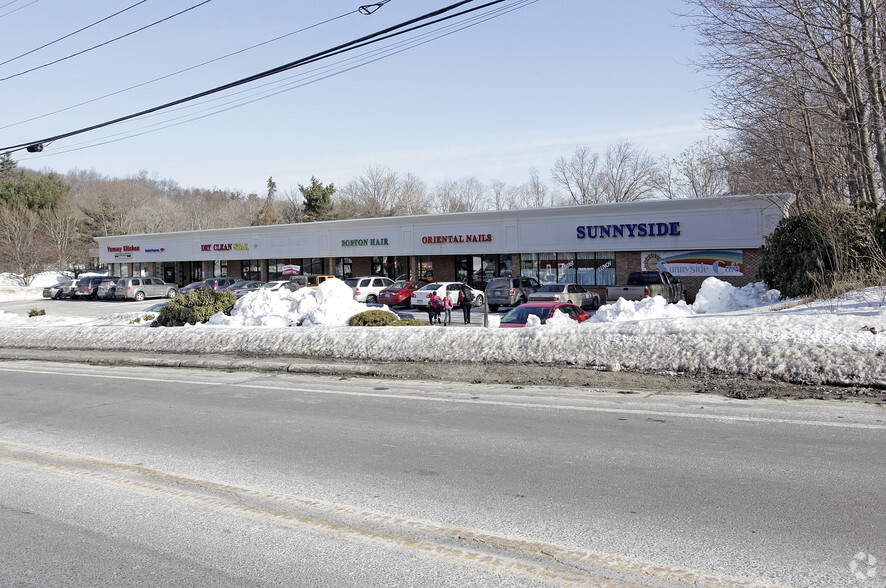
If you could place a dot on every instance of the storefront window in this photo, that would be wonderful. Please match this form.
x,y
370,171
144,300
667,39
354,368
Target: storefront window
x,y
529,265
396,268
344,267
250,269
463,267
605,268
275,269
565,268
505,267
488,269
547,268
425,268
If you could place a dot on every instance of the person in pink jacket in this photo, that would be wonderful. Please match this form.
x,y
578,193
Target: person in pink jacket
x,y
447,310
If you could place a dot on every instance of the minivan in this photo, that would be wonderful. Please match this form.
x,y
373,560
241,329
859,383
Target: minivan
x,y
512,291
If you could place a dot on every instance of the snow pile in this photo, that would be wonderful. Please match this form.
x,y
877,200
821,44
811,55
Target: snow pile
x,y
718,296
13,287
739,332
330,305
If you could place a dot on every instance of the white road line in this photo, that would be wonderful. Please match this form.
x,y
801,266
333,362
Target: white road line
x,y
531,405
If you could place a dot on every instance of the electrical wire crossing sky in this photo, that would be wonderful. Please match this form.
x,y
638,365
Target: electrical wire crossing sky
x,y
218,96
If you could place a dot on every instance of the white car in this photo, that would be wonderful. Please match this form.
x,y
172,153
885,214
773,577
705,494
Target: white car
x,y
367,289
420,296
572,293
276,285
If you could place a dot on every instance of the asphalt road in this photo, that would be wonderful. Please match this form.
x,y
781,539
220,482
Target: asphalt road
x,y
154,476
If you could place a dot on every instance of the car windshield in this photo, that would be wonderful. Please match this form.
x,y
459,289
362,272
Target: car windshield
x,y
553,288
398,286
521,313
496,283
352,282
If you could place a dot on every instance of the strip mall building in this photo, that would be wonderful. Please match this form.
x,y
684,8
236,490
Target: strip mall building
x,y
594,245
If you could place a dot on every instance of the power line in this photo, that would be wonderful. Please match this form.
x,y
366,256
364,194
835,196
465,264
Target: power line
x,y
138,30
181,71
384,34
391,50
72,34
17,9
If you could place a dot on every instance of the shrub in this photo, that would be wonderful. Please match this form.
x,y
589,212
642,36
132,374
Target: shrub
x,y
36,312
373,318
194,307
826,249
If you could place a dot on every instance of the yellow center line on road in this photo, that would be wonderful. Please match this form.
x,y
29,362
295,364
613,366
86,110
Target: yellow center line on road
x,y
475,401
415,536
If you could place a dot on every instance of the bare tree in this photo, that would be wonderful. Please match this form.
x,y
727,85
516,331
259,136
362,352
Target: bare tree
x,y
627,173
699,172
578,176
62,227
799,83
381,192
464,195
23,246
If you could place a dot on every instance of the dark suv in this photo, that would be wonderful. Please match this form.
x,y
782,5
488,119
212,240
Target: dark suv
x,y
218,283
509,291
88,287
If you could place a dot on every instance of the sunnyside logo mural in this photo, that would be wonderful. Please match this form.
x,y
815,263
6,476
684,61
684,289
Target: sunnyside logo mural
x,y
695,263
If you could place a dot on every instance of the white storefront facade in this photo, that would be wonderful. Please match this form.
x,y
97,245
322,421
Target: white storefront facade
x,y
595,245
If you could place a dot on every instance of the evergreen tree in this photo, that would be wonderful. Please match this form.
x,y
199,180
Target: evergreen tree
x,y
7,166
318,200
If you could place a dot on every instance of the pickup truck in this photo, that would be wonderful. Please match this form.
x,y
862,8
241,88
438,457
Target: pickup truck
x,y
645,284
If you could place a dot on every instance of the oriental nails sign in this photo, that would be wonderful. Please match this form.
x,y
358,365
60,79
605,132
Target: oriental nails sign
x,y
442,239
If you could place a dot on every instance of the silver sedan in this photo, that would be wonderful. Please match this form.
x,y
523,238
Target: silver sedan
x,y
572,293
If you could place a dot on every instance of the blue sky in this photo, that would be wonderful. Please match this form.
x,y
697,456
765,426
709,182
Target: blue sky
x,y
490,101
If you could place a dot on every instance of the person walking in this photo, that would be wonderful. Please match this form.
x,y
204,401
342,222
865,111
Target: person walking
x,y
466,301
433,309
447,309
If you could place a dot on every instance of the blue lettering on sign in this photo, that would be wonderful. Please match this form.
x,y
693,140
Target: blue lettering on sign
x,y
671,229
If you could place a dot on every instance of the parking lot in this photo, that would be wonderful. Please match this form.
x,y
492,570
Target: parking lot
x,y
99,308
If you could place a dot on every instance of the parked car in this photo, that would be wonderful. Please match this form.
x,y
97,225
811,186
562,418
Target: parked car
x,y
306,281
106,289
642,285
275,285
58,291
572,293
239,289
141,288
399,293
517,317
512,291
190,287
367,288
88,287
156,308
217,283
420,296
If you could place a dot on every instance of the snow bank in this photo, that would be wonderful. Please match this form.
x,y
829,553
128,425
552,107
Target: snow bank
x,y
330,305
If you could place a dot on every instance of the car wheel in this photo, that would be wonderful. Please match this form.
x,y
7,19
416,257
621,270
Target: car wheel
x,y
139,296
58,295
478,301
595,303
371,299
522,300
171,293
493,307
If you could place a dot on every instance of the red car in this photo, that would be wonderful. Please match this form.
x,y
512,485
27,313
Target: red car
x,y
399,293
517,317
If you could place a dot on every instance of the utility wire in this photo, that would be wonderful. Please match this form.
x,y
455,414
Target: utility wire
x,y
289,86
138,30
181,71
16,9
72,34
349,46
